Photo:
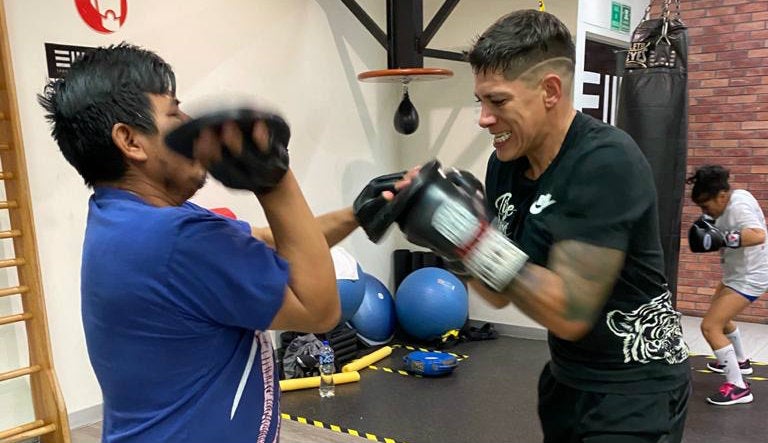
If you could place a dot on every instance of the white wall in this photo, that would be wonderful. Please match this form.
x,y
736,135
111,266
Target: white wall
x,y
302,55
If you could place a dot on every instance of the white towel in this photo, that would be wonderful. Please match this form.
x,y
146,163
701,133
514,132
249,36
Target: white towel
x,y
345,264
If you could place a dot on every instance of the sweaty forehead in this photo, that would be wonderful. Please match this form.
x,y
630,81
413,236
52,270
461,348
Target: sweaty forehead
x,y
495,84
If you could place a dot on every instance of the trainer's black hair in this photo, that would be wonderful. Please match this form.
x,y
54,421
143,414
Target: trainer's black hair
x,y
708,181
520,40
104,87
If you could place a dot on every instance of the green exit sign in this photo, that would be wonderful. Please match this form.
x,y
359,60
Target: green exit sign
x,y
620,17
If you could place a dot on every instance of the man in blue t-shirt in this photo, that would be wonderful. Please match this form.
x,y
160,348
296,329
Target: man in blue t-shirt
x,y
176,299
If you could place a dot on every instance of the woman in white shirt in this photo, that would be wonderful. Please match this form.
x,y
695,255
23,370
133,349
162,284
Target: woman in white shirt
x,y
733,223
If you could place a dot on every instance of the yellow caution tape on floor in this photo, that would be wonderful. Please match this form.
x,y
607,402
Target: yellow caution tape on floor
x,y
394,371
339,429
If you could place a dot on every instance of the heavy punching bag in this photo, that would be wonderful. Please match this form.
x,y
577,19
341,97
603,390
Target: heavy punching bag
x,y
653,109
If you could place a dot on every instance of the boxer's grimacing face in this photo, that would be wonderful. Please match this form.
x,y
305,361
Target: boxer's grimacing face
x,y
511,111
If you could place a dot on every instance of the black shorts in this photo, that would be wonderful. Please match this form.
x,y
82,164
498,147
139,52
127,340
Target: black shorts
x,y
569,415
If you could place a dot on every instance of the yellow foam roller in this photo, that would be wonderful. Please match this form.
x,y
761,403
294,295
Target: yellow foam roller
x,y
313,382
369,359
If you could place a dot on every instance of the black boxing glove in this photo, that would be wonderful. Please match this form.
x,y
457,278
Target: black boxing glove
x,y
253,169
370,208
471,185
373,214
704,236
701,240
435,213
466,181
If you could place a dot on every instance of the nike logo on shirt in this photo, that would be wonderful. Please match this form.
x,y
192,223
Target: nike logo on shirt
x,y
541,203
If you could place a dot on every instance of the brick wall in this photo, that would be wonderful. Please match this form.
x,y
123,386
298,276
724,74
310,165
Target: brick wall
x,y
728,124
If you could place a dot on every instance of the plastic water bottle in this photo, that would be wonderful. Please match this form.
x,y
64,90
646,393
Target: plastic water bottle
x,y
327,368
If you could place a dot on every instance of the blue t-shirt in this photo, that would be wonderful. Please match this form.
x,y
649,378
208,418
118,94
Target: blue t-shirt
x,y
174,302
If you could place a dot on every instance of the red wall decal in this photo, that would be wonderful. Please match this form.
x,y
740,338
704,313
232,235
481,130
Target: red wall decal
x,y
105,16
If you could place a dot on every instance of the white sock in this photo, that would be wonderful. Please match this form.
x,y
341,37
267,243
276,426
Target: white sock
x,y
735,338
727,357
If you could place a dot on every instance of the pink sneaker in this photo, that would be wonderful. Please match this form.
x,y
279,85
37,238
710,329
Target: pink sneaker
x,y
730,394
744,366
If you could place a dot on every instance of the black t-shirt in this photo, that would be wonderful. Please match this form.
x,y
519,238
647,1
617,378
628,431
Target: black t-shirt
x,y
599,190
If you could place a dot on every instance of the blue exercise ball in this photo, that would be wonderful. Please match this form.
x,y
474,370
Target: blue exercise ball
x,y
351,294
430,302
375,319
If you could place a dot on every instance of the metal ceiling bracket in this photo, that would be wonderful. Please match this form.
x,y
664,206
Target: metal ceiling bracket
x,y
406,40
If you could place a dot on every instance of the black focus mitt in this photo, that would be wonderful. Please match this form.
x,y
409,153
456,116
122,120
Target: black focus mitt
x,y
254,169
371,210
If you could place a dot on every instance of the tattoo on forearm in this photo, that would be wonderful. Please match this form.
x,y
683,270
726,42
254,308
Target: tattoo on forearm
x,y
588,273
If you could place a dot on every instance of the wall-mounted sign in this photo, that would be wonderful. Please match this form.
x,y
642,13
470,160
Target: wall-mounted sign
x,y
106,16
61,57
621,16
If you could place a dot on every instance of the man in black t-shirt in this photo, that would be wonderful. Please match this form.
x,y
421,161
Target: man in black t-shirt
x,y
574,243
578,197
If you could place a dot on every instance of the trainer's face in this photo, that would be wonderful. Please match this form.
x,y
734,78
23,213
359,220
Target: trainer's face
x,y
512,111
178,175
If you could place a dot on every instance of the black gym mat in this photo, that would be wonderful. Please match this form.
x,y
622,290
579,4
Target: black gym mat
x,y
491,397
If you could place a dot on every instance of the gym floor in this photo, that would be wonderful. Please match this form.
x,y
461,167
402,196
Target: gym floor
x,y
490,397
